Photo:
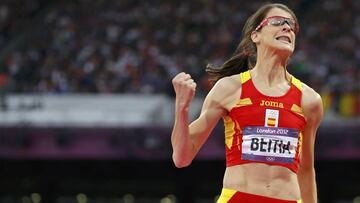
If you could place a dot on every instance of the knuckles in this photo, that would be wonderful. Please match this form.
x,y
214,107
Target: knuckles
x,y
183,81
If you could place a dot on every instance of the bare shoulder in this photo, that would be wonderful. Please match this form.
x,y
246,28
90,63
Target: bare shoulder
x,y
225,91
312,103
228,84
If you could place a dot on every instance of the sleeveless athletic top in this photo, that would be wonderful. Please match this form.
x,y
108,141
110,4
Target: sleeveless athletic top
x,y
265,129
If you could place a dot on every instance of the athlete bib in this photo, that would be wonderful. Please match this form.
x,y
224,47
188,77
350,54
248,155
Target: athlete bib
x,y
269,144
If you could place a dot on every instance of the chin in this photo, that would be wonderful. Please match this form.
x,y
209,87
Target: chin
x,y
285,50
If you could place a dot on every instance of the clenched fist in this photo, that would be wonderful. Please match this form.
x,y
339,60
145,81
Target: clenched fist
x,y
184,87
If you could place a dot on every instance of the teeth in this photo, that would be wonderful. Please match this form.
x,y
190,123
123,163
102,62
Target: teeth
x,y
283,38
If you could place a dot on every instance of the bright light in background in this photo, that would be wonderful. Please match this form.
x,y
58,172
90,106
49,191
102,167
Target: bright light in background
x,y
172,197
129,198
36,197
357,199
81,198
168,199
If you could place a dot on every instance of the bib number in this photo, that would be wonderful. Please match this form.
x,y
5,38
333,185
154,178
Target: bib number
x,y
269,144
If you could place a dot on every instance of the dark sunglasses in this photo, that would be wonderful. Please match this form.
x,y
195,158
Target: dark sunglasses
x,y
278,21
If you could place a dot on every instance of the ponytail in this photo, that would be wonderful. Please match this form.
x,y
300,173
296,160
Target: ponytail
x,y
236,64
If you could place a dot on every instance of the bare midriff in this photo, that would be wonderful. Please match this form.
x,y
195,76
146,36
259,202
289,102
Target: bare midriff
x,y
262,179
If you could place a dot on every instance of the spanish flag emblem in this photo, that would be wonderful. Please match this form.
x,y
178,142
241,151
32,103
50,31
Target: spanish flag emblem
x,y
271,122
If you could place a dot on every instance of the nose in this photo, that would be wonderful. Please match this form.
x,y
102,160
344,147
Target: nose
x,y
286,28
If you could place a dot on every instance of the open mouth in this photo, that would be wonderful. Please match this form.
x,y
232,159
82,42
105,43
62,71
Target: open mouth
x,y
284,38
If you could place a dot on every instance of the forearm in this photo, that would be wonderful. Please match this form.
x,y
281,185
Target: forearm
x,y
307,182
183,147
186,138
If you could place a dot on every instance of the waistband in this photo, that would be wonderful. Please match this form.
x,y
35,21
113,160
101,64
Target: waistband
x,y
233,196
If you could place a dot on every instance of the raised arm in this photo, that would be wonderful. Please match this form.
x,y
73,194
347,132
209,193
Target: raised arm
x,y
187,139
313,110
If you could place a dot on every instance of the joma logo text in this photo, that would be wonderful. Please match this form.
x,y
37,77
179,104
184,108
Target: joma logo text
x,y
271,104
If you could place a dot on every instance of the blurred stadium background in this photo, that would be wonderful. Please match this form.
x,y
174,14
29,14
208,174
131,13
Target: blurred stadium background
x,y
86,102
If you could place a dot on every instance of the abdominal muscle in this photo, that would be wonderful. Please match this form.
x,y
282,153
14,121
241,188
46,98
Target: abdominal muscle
x,y
262,179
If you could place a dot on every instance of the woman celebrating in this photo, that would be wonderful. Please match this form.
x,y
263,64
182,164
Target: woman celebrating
x,y
270,117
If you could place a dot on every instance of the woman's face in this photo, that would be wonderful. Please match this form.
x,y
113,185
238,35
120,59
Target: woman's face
x,y
278,36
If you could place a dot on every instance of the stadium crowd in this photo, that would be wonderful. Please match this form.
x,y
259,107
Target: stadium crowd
x,y
133,46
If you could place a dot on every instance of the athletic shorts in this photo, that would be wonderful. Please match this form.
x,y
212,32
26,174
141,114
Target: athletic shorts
x,y
233,196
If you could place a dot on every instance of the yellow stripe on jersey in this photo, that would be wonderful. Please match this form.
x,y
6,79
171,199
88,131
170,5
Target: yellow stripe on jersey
x,y
229,131
226,195
244,102
297,109
299,201
245,76
296,82
300,142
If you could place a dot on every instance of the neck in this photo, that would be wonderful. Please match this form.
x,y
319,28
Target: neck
x,y
271,70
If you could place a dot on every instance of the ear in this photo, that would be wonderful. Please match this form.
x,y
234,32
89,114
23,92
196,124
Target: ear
x,y
255,37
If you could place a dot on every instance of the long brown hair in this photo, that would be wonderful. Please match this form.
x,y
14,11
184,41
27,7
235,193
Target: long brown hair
x,y
244,57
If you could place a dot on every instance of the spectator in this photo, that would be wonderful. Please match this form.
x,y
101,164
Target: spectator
x,y
135,47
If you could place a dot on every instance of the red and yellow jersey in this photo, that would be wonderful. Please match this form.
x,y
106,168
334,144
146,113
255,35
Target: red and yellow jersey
x,y
265,129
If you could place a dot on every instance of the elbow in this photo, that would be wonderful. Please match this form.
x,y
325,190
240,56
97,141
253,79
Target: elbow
x,y
180,162
180,165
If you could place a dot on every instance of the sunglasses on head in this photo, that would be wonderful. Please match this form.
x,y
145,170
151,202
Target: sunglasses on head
x,y
279,21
